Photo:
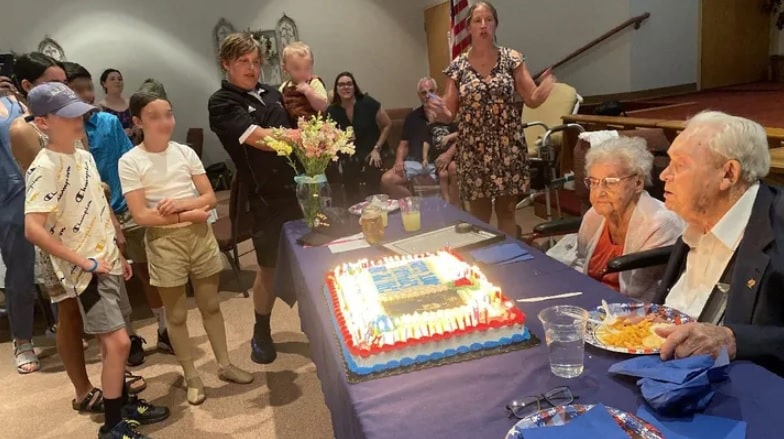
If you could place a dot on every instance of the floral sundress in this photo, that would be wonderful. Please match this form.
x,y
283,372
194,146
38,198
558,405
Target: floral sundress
x,y
492,157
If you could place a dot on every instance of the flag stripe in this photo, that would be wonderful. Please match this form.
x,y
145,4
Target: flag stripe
x,y
459,32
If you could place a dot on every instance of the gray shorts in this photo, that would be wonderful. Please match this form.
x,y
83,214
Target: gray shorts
x,y
104,305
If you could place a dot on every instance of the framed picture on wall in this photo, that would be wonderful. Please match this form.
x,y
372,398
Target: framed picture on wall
x,y
271,71
220,32
50,47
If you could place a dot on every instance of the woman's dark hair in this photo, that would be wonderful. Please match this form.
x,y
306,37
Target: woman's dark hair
x,y
75,71
105,76
32,66
141,99
357,91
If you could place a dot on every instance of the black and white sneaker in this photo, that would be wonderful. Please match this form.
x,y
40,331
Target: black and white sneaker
x,y
136,356
126,429
142,412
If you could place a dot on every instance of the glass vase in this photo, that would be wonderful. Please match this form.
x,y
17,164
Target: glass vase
x,y
313,194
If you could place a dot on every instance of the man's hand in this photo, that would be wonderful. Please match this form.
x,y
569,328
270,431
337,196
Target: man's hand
x,y
425,163
696,339
6,86
169,206
196,215
374,158
442,161
127,270
103,267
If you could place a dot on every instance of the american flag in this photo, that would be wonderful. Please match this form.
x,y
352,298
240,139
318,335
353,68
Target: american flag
x,y
459,40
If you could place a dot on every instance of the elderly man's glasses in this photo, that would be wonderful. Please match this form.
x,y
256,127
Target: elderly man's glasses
x,y
607,182
426,92
521,408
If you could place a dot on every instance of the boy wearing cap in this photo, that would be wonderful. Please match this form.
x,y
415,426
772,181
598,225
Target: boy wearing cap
x,y
67,215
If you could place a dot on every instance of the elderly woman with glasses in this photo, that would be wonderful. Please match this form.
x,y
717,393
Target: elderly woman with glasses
x,y
623,218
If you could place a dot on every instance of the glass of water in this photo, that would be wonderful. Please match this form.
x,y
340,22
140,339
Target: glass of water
x,y
564,332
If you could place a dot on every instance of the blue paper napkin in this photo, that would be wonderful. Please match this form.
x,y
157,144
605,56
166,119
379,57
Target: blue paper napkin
x,y
683,386
595,423
697,427
500,254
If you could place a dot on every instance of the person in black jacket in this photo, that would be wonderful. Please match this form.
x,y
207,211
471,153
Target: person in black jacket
x,y
727,269
242,114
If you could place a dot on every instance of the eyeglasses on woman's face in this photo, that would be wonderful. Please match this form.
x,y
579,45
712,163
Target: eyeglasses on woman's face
x,y
609,183
345,84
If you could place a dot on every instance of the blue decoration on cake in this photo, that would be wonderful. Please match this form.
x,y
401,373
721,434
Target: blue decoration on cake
x,y
393,279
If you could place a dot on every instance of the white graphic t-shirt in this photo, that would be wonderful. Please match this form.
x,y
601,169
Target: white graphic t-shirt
x,y
68,188
165,174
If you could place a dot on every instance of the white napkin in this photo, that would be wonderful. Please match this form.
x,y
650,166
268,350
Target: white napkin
x,y
597,137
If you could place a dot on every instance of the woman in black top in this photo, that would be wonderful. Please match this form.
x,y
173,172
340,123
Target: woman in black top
x,y
352,108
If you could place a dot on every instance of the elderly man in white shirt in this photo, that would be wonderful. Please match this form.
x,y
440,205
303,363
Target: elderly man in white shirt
x,y
728,268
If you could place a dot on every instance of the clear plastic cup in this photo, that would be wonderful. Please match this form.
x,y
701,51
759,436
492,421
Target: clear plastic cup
x,y
564,332
382,201
410,213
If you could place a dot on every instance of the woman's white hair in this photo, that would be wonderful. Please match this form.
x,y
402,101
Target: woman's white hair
x,y
736,138
630,152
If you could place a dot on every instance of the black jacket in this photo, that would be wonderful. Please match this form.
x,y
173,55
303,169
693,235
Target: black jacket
x,y
755,302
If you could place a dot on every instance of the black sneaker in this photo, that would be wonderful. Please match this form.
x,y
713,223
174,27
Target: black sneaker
x,y
164,343
126,429
136,356
262,351
141,412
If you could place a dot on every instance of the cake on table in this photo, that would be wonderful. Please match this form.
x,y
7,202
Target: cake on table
x,y
406,312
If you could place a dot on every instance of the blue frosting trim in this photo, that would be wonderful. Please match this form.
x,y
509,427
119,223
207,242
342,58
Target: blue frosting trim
x,y
406,361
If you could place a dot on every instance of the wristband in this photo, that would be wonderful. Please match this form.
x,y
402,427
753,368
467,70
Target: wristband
x,y
95,265
377,147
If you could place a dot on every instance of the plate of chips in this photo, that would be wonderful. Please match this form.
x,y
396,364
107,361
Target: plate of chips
x,y
630,328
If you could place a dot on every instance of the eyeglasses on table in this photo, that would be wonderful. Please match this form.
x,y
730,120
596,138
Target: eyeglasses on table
x,y
557,396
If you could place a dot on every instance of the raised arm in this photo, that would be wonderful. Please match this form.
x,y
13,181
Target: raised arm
x,y
533,95
445,108
25,143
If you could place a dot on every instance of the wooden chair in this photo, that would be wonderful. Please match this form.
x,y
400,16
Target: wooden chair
x,y
195,139
238,227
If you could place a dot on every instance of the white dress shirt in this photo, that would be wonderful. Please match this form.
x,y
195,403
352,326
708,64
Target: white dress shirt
x,y
709,255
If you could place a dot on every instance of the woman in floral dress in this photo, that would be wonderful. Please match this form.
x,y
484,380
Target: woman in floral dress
x,y
492,158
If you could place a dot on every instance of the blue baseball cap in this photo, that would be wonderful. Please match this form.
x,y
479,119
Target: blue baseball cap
x,y
58,99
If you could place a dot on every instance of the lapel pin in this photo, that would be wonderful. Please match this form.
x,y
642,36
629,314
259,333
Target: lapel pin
x,y
750,283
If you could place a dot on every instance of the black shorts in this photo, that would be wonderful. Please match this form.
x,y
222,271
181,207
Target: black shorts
x,y
269,215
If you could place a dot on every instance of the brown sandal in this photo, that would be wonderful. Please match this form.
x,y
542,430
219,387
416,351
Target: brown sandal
x,y
91,403
134,383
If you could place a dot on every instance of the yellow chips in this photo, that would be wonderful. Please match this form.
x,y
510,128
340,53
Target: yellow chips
x,y
638,335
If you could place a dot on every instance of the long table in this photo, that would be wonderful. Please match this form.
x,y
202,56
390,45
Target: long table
x,y
467,400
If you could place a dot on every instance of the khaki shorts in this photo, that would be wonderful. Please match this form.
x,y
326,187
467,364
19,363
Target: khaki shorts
x,y
176,253
134,238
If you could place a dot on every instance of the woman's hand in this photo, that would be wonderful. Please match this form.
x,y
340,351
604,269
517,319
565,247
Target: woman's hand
x,y
169,206
374,158
436,105
7,86
546,82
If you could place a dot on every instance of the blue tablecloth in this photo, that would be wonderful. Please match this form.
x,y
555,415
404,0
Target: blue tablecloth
x,y
467,400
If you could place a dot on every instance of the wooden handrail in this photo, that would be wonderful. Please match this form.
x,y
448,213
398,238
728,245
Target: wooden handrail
x,y
636,21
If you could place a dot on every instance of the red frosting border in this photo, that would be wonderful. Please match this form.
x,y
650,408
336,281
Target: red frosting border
x,y
518,318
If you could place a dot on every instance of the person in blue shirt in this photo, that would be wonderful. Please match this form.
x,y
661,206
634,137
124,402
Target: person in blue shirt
x,y
107,142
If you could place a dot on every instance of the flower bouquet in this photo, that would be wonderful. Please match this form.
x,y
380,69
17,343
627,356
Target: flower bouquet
x,y
317,142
